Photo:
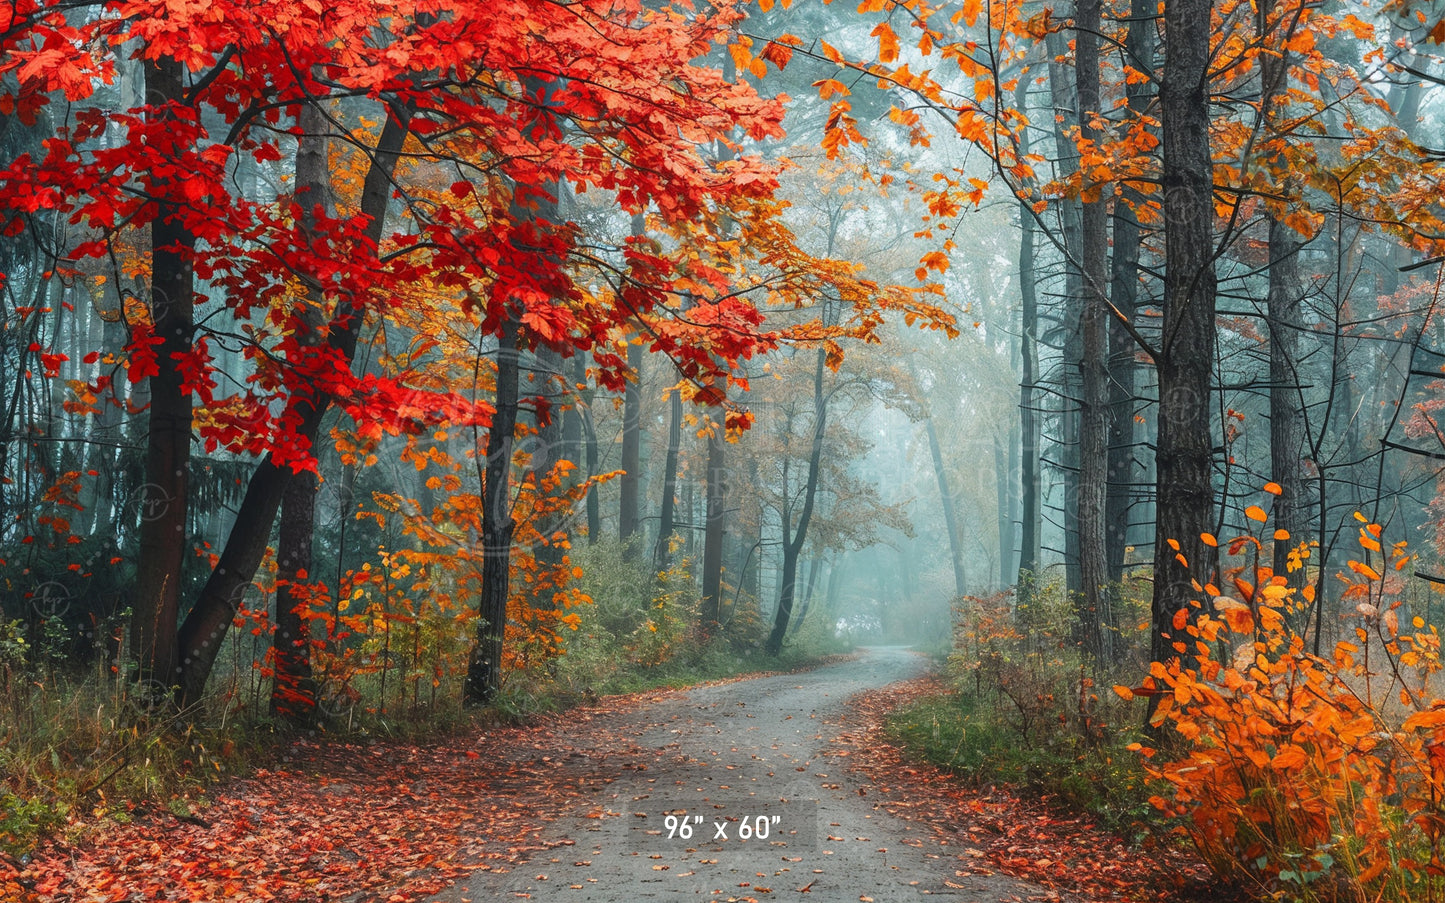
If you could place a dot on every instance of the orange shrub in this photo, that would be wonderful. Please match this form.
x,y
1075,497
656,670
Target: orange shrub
x,y
1305,776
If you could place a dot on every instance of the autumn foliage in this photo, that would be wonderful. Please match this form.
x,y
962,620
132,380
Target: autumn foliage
x,y
1312,775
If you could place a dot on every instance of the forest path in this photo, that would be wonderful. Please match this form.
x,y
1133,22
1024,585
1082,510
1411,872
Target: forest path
x,y
574,808
761,753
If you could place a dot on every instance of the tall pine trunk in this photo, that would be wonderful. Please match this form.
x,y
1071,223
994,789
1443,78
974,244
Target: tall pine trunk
x,y
1185,461
1124,295
1064,92
1286,324
1028,376
1094,608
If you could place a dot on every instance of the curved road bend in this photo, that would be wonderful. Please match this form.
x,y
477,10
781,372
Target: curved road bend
x,y
743,758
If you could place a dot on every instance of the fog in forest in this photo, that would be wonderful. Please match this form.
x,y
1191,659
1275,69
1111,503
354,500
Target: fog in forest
x,y
373,374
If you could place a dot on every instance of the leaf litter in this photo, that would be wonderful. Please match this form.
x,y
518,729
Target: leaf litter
x,y
393,822
999,831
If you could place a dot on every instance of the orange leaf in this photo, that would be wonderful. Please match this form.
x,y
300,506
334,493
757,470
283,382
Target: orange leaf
x,y
1254,512
1290,756
1364,570
887,42
1431,718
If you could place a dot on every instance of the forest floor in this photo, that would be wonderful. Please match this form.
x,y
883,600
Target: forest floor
x,y
576,807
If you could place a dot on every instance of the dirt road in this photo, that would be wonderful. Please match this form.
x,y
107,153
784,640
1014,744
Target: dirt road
x,y
737,792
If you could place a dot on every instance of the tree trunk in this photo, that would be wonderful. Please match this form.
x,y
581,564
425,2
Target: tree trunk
x,y
1028,415
205,627
794,545
1286,324
785,599
814,567
484,669
1286,410
1185,490
662,556
950,514
1094,612
1028,376
589,438
163,499
1066,115
715,529
1009,565
1124,294
550,450
293,693
1002,521
631,446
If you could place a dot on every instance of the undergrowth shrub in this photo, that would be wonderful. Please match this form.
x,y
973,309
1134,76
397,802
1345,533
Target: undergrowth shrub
x,y
90,742
643,629
1024,709
388,651
1303,776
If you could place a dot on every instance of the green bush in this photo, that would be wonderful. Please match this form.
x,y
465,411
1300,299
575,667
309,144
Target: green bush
x,y
643,629
1025,710
23,821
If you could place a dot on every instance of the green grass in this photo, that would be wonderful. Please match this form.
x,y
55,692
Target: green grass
x,y
1101,779
81,745
76,744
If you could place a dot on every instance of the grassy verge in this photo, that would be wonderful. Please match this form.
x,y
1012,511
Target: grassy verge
x,y
77,743
1025,710
1102,779
79,747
